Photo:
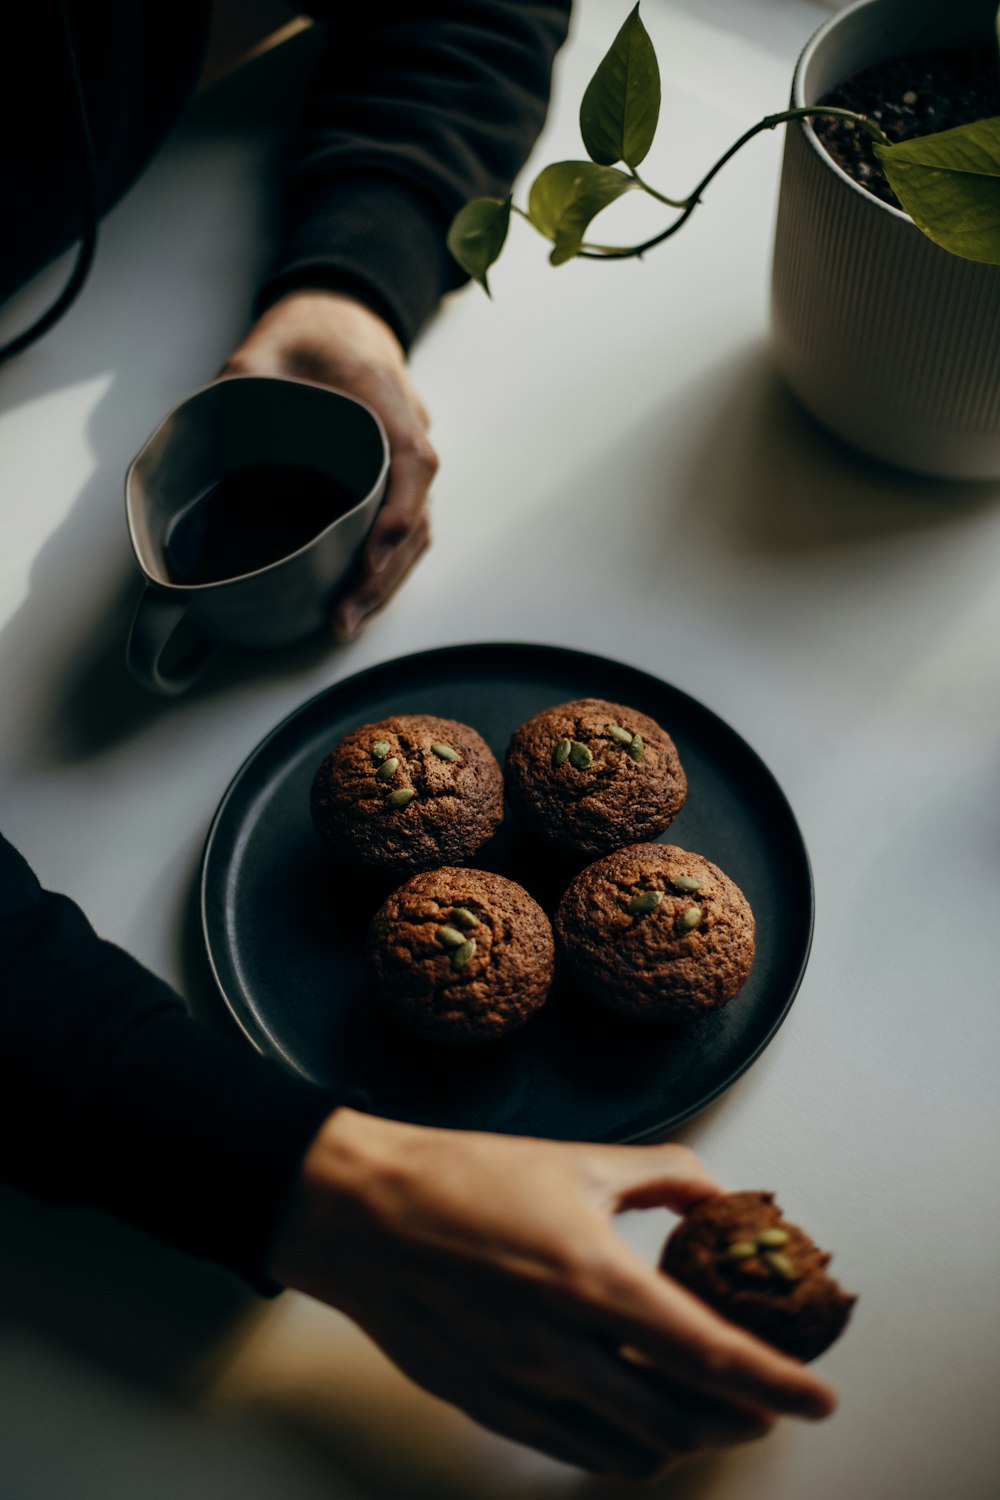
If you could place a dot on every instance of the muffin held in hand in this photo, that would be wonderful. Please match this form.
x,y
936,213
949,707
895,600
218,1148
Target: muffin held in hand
x,y
591,776
656,933
461,956
737,1253
407,794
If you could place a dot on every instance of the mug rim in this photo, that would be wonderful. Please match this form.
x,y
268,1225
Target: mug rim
x,y
169,586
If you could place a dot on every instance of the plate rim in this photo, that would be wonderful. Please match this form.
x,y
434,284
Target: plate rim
x,y
537,649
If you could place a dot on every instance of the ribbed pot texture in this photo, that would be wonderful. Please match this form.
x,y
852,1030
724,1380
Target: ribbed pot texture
x,y
891,342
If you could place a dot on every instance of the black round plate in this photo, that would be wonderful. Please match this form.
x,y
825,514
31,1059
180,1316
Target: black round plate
x,y
284,929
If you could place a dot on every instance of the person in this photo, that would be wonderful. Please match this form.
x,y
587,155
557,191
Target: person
x,y
487,1268
413,109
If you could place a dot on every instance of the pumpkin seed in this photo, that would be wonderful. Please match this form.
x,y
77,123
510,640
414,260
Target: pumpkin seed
x,y
387,769
463,917
381,749
643,902
623,736
560,754
636,748
740,1250
460,956
444,752
580,756
400,797
772,1238
450,937
691,917
781,1264
685,883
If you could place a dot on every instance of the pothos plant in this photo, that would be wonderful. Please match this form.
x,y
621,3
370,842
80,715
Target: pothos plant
x,y
948,183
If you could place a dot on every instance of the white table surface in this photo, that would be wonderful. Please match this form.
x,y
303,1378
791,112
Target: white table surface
x,y
621,472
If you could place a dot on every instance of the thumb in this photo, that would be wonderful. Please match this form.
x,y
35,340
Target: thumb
x,y
652,1177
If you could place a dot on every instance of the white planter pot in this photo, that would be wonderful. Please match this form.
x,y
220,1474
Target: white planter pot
x,y
888,340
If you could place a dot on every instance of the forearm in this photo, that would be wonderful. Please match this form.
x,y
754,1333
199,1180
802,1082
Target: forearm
x,y
113,1096
415,109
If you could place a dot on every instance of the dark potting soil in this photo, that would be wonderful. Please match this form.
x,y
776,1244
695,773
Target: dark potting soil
x,y
909,96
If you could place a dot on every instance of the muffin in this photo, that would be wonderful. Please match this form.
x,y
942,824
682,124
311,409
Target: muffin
x,y
737,1253
461,956
656,933
592,776
406,794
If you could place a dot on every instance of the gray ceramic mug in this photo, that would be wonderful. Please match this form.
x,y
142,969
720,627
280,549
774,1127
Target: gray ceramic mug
x,y
241,423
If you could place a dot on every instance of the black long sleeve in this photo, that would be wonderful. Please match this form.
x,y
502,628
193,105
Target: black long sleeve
x,y
415,109
113,1096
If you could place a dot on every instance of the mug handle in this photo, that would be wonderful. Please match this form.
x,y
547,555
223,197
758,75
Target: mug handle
x,y
157,617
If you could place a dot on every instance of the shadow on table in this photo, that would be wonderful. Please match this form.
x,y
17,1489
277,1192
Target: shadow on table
x,y
169,298
95,704
383,1467
354,1416
115,1297
782,486
697,1479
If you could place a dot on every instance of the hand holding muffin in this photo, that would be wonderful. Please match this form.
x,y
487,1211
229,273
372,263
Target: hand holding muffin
x,y
488,1268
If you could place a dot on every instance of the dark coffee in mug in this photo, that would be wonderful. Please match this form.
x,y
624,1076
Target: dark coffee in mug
x,y
248,507
249,519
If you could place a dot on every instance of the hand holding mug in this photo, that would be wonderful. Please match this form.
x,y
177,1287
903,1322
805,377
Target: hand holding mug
x,y
332,339
247,508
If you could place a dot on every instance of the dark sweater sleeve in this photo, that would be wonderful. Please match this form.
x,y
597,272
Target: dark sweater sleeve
x,y
416,107
113,1096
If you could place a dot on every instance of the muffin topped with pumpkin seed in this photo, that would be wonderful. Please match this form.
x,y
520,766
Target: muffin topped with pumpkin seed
x,y
408,793
656,933
591,776
737,1253
461,956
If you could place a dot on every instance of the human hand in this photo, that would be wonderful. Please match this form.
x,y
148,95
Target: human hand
x,y
331,338
488,1269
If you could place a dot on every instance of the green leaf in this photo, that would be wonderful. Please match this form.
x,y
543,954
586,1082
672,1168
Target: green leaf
x,y
477,236
949,184
622,104
566,196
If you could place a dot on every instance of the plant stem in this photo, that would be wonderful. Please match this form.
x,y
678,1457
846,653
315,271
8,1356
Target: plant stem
x,y
689,204
670,202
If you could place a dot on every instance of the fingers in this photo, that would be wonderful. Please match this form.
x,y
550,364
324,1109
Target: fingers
x,y
330,338
400,533
376,588
652,1177
574,1433
657,1411
615,1426
691,1344
677,1332
413,467
653,1412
